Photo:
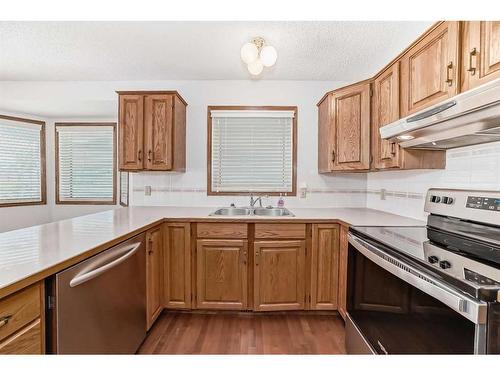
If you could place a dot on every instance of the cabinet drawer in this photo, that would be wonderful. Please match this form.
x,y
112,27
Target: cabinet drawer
x,y
19,309
274,231
221,230
26,341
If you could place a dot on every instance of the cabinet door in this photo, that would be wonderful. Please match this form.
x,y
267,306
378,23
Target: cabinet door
x,y
480,53
28,340
351,122
154,268
158,125
221,274
177,270
324,266
279,275
342,301
429,70
131,132
385,111
325,135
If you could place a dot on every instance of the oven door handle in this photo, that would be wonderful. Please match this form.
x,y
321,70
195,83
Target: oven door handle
x,y
472,309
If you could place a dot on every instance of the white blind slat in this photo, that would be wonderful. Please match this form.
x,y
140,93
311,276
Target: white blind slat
x,y
85,163
20,162
252,151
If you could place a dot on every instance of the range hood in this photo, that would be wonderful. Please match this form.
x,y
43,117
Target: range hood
x,y
470,118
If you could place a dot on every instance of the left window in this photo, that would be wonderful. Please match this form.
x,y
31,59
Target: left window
x,y
22,161
85,163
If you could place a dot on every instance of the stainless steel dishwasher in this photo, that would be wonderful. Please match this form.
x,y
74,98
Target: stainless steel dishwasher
x,y
99,305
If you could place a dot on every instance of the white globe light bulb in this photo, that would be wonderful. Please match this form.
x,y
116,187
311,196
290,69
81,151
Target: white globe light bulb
x,y
268,56
249,53
255,67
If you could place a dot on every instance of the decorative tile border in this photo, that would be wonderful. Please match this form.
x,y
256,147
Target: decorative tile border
x,y
388,193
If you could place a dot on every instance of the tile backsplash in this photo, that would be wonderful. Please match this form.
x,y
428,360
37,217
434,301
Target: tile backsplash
x,y
472,167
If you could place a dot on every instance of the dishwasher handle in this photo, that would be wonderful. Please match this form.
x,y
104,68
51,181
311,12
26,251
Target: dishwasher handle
x,y
87,276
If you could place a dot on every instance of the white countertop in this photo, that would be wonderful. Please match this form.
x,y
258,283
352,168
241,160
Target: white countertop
x,y
31,254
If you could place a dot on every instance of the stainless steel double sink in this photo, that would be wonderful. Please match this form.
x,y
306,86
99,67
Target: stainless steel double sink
x,y
248,211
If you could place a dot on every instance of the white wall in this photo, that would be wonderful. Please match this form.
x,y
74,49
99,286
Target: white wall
x,y
473,167
24,216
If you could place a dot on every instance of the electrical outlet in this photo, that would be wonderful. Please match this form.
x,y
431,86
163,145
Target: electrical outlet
x,y
383,193
303,192
147,190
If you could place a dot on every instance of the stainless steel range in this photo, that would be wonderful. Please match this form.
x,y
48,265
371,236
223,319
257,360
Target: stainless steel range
x,y
429,290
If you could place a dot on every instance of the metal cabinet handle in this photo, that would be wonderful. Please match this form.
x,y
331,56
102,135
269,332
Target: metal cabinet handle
x,y
139,155
87,276
472,53
393,148
4,320
256,258
333,156
449,68
149,155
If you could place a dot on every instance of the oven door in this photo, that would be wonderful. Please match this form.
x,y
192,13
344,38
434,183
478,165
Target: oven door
x,y
396,308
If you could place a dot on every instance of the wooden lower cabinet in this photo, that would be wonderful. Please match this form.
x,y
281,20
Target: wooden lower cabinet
x,y
22,318
177,266
28,340
279,275
221,274
324,266
154,274
342,280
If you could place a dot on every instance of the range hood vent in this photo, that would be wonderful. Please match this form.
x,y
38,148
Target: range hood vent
x,y
470,118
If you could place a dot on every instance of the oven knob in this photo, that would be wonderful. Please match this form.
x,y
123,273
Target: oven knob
x,y
433,259
444,264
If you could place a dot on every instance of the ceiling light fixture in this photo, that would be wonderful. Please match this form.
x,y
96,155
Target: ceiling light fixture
x,y
257,55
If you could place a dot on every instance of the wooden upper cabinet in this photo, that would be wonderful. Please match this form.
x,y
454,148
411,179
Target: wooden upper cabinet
x,y
325,134
158,125
279,275
221,274
351,122
388,154
152,131
351,128
344,129
480,53
324,266
385,111
177,265
131,132
429,69
154,274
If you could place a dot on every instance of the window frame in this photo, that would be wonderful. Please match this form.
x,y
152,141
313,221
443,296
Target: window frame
x,y
56,146
251,108
43,167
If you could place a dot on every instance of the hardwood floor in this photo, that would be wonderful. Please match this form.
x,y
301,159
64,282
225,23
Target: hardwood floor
x,y
245,333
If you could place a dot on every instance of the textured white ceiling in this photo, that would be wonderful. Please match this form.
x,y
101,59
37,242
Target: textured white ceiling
x,y
84,51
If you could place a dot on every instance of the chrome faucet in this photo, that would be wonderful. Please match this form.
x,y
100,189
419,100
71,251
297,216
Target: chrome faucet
x,y
253,200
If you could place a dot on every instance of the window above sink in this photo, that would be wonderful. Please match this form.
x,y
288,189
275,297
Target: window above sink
x,y
252,150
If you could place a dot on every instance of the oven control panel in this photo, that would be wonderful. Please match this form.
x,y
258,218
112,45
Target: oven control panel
x,y
472,205
483,203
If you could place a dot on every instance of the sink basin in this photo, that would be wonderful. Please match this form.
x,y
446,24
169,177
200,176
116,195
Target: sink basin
x,y
232,211
272,212
242,211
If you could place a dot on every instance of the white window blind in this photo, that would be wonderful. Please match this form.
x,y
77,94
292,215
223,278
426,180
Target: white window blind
x,y
85,163
252,151
20,162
